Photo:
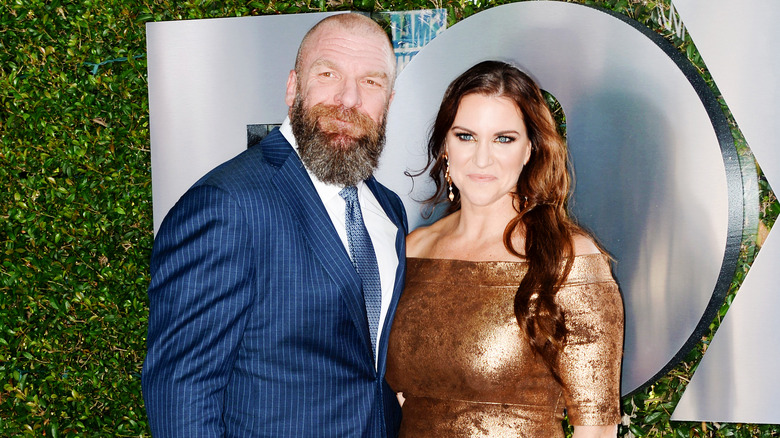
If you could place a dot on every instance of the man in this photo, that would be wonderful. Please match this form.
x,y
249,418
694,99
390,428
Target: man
x,y
269,305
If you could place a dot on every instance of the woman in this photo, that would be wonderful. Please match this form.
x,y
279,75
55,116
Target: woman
x,y
510,313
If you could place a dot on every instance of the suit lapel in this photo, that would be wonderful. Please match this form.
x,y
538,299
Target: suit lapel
x,y
295,186
397,217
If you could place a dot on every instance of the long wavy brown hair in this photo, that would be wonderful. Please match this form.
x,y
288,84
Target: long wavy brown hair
x,y
541,195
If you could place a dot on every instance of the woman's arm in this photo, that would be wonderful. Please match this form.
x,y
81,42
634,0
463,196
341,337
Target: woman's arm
x,y
609,431
589,363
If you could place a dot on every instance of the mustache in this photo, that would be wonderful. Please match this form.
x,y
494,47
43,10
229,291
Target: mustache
x,y
334,119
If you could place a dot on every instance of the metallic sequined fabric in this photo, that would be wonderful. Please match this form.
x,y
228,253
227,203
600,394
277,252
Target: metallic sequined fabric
x,y
466,370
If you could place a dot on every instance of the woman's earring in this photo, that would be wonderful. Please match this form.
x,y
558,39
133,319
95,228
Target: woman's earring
x,y
449,179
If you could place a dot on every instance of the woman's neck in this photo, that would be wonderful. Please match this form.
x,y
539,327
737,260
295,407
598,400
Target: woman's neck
x,y
477,233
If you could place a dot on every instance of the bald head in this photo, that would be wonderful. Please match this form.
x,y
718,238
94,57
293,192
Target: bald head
x,y
355,24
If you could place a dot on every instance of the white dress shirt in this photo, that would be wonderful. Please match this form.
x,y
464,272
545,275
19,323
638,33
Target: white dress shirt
x,y
380,227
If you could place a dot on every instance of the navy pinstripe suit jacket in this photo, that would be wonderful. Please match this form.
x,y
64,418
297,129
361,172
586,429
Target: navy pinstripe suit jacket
x,y
257,323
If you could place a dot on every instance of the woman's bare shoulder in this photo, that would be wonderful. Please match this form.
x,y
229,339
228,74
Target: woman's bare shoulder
x,y
415,240
584,244
421,241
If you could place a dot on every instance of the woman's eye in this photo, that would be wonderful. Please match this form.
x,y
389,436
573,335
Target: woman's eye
x,y
462,136
504,139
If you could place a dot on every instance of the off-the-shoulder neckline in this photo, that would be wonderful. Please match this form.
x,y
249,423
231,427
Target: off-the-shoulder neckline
x,y
581,256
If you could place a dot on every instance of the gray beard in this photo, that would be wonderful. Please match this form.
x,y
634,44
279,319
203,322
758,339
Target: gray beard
x,y
336,158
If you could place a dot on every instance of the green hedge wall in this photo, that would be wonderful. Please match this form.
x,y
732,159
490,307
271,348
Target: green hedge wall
x,y
76,216
75,219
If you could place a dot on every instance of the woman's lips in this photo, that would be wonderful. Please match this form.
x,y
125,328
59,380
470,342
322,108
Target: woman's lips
x,y
481,177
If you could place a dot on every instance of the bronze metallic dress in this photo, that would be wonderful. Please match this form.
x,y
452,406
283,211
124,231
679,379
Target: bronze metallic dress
x,y
466,370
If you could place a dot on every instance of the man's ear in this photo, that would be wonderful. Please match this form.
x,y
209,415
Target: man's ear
x,y
289,96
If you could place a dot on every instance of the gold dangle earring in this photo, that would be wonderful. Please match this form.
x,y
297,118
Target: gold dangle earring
x,y
448,178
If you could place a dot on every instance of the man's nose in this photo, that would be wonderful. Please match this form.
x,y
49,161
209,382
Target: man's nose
x,y
349,94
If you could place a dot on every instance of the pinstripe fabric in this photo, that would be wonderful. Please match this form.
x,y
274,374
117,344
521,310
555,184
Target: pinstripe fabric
x,y
257,324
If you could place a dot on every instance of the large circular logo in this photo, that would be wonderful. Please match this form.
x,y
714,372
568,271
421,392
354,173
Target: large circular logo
x,y
657,176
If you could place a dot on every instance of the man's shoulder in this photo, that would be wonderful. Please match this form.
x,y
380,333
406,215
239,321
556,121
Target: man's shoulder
x,y
385,191
256,164
244,180
387,197
249,164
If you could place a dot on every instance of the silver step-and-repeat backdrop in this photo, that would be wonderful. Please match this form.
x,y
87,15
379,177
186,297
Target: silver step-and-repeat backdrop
x,y
657,177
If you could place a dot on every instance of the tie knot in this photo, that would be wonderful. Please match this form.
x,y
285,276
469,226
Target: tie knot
x,y
349,193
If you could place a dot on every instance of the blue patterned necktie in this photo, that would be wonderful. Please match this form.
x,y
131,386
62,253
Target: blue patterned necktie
x,y
364,260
